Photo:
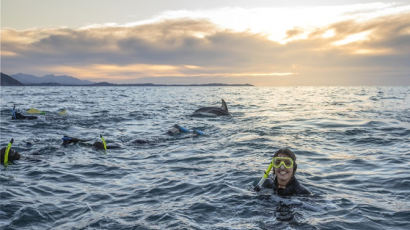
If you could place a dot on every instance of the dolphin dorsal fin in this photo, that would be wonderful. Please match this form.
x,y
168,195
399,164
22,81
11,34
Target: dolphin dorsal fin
x,y
224,107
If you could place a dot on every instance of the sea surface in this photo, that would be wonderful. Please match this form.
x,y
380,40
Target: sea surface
x,y
352,146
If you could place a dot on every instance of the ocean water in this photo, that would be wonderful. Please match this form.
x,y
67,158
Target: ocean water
x,y
352,146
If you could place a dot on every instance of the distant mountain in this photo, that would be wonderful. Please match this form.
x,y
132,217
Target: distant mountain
x,y
6,80
151,84
102,84
51,79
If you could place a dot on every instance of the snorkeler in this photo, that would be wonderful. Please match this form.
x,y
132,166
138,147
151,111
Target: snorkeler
x,y
8,155
69,140
284,182
100,145
177,129
19,116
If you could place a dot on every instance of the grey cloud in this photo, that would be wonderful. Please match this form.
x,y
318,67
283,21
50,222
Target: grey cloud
x,y
201,43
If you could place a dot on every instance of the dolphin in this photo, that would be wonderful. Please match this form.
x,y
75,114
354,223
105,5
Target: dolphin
x,y
213,111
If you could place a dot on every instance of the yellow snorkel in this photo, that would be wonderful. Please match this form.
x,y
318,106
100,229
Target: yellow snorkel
x,y
103,141
264,177
6,153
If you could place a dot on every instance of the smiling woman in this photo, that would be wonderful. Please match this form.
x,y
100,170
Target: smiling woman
x,y
284,182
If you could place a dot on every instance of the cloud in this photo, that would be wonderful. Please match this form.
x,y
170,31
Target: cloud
x,y
186,47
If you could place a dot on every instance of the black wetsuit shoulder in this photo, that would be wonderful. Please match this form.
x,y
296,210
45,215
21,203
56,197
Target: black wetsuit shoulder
x,y
19,116
293,187
100,145
68,140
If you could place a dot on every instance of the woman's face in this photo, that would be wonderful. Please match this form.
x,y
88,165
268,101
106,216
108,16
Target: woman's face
x,y
283,174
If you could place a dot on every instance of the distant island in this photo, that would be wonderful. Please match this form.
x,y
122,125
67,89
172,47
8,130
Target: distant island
x,y
6,80
151,84
52,80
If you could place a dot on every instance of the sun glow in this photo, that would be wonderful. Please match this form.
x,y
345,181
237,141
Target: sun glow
x,y
270,44
275,22
125,72
373,51
329,33
362,36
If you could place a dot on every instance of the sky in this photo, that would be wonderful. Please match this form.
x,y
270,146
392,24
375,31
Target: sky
x,y
261,42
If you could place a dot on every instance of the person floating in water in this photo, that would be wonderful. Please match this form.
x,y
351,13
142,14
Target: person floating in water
x,y
175,132
15,115
100,145
177,129
284,182
8,155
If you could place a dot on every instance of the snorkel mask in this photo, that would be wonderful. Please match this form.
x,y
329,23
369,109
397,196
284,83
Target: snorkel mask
x,y
287,162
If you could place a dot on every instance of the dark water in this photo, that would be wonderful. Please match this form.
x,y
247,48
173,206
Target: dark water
x,y
352,146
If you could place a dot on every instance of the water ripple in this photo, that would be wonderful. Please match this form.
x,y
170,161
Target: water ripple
x,y
352,146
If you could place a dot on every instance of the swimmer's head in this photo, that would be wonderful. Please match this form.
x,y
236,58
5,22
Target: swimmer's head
x,y
174,130
284,163
98,145
13,155
287,153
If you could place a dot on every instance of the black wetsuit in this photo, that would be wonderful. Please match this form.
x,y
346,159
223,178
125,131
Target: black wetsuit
x,y
292,188
18,116
68,140
98,145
